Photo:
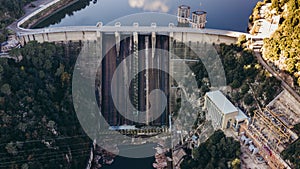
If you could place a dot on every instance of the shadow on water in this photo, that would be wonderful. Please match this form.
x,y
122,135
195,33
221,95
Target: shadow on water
x,y
133,163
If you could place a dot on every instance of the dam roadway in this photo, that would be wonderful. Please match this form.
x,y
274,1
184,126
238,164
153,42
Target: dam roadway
x,y
91,33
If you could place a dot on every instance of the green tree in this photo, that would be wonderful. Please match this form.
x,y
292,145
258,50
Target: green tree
x,y
292,153
236,164
39,101
241,40
235,84
248,99
244,88
11,148
217,152
5,88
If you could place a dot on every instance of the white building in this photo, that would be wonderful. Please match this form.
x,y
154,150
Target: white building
x,y
199,19
183,14
221,111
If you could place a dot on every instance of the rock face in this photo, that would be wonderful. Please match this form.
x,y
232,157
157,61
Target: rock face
x,y
103,157
161,159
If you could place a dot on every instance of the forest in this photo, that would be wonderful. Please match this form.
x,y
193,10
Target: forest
x,y
292,154
218,151
39,127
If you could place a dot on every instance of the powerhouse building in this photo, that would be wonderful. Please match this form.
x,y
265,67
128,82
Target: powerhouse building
x,y
222,112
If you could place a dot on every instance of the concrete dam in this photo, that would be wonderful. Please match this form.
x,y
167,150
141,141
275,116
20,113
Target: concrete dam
x,y
144,49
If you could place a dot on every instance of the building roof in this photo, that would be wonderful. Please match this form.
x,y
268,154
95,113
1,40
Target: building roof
x,y
241,116
184,7
222,103
199,12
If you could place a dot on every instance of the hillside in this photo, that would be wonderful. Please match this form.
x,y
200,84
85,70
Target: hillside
x,y
283,47
10,10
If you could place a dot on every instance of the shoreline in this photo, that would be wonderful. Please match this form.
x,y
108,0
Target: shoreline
x,y
57,10
44,12
41,6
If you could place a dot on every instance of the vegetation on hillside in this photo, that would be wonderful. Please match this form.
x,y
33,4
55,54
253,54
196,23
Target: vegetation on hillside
x,y
218,151
243,72
10,10
39,127
255,13
292,154
283,49
277,5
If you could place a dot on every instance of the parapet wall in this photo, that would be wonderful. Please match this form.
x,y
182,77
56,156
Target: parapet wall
x,y
91,33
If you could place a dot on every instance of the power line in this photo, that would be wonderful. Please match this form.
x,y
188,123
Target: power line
x,y
44,159
39,149
58,138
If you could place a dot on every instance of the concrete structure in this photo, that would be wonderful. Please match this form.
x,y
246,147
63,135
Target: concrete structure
x,y
250,135
178,157
34,13
9,44
272,129
240,118
139,35
222,112
146,34
199,19
183,14
92,33
269,135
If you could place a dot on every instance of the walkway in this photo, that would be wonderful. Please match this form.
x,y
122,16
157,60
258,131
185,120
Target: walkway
x,y
28,10
140,29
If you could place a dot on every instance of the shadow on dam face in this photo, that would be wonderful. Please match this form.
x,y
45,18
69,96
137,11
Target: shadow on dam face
x,y
141,85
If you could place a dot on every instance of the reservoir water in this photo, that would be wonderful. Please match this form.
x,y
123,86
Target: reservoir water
x,y
228,15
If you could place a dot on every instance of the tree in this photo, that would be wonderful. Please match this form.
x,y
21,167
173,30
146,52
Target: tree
x,y
36,92
236,164
244,89
235,84
6,89
292,153
248,99
216,152
11,148
25,166
1,69
241,40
